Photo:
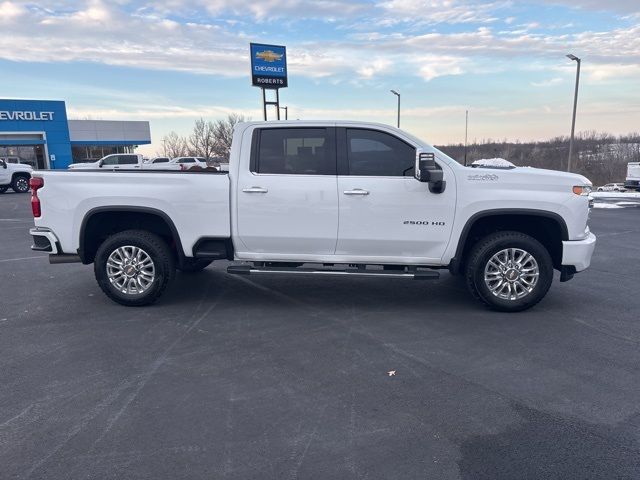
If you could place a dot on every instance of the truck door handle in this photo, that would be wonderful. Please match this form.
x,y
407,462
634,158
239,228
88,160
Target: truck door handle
x,y
356,191
255,190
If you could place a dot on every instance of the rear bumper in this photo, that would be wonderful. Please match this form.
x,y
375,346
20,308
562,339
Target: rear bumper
x,y
577,253
44,240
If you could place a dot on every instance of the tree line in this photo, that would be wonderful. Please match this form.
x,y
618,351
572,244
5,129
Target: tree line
x,y
601,157
208,139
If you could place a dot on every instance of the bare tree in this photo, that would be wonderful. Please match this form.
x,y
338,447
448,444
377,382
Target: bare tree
x,y
202,141
173,145
223,132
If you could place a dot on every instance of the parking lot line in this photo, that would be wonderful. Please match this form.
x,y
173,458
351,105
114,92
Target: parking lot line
x,y
20,258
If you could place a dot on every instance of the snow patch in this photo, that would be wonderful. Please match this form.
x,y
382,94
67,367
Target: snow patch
x,y
608,206
615,195
493,162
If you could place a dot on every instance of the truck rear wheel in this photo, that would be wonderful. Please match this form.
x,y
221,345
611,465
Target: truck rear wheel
x,y
4,188
509,271
134,267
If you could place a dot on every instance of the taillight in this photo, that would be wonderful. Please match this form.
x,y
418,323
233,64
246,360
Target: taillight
x,y
36,183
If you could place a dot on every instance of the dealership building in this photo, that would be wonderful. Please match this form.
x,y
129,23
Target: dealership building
x,y
39,133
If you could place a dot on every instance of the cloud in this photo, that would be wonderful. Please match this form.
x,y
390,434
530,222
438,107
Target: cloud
x,y
433,66
264,10
11,12
440,11
547,83
153,37
623,6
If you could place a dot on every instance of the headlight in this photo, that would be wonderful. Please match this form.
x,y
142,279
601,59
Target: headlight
x,y
582,190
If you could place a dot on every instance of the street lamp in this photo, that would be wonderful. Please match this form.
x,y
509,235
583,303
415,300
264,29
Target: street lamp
x,y
572,57
397,95
286,112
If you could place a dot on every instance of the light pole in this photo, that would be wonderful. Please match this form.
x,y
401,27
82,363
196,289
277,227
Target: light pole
x,y
286,112
572,57
466,131
397,95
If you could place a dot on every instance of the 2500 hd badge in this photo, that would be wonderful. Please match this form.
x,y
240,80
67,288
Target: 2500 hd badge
x,y
423,222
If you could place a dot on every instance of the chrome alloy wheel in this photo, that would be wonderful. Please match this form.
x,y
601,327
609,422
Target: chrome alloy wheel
x,y
130,270
511,274
22,184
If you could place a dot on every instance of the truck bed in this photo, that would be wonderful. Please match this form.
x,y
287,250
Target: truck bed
x,y
196,202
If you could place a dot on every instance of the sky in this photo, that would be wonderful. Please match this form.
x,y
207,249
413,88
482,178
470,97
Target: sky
x,y
173,61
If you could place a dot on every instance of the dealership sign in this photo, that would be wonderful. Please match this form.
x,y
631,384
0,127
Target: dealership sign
x,y
268,66
25,115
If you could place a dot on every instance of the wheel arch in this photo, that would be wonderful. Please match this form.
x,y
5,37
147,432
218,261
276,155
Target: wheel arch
x,y
100,222
15,175
547,227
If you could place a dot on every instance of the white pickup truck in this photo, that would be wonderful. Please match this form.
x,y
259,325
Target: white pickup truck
x,y
633,177
321,198
118,161
14,175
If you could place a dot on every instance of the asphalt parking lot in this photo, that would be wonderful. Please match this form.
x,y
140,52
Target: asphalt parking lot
x,y
229,377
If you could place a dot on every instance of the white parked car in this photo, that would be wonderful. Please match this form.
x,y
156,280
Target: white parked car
x,y
322,198
612,187
15,175
188,162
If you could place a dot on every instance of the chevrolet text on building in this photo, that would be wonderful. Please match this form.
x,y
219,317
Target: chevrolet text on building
x,y
321,198
26,115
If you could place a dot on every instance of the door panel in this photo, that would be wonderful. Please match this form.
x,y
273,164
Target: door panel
x,y
293,214
288,203
5,174
399,217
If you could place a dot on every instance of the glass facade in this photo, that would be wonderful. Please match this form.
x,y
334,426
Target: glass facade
x,y
91,153
29,154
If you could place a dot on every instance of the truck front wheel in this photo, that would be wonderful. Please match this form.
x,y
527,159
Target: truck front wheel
x,y
20,183
134,267
509,271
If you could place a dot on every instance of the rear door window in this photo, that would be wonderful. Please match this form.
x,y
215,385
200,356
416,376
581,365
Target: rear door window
x,y
295,151
127,159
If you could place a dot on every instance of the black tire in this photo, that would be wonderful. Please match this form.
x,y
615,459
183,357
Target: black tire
x,y
20,183
155,248
4,188
491,245
191,265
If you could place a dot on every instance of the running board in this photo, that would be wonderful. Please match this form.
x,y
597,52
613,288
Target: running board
x,y
249,270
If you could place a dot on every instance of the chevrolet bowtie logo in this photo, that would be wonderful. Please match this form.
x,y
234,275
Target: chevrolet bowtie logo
x,y
269,56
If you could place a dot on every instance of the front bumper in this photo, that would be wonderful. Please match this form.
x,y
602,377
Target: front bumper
x,y
44,240
577,253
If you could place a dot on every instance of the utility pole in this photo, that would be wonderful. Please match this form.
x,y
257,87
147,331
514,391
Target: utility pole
x,y
466,131
575,106
286,112
397,95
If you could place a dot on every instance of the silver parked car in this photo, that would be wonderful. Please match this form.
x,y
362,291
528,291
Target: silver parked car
x,y
612,187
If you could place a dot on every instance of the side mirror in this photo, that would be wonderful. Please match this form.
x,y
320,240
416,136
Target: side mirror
x,y
428,171
100,163
4,164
